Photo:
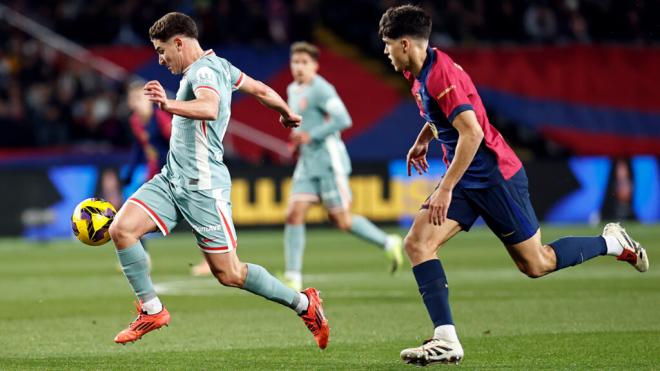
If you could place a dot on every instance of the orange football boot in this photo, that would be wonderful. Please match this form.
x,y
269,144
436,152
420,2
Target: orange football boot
x,y
315,319
143,324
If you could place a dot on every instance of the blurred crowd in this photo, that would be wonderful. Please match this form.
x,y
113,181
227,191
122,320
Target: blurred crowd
x,y
481,22
47,99
127,22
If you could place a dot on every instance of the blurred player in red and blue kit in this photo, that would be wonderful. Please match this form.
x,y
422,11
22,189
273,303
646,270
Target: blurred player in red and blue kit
x,y
152,128
484,178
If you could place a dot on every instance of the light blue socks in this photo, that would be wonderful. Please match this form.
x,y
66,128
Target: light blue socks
x,y
363,228
135,265
262,283
294,247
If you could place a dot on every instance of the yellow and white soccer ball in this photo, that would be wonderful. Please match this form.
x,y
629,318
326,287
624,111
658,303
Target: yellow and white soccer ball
x,y
91,221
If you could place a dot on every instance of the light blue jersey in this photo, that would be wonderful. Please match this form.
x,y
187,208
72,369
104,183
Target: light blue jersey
x,y
194,161
324,117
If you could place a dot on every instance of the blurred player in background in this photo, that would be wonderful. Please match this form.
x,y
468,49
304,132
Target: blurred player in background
x,y
484,178
195,185
151,128
322,170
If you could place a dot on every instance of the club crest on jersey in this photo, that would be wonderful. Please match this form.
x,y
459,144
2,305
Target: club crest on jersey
x,y
204,74
302,104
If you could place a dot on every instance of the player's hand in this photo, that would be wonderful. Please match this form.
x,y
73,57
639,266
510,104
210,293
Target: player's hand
x,y
291,120
300,137
417,158
155,92
439,205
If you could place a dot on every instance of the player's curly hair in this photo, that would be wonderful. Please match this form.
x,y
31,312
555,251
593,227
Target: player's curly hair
x,y
405,20
172,24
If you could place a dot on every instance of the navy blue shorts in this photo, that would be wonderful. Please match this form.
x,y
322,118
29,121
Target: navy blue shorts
x,y
505,208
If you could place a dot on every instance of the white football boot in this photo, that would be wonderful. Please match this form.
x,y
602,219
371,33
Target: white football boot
x,y
633,252
433,351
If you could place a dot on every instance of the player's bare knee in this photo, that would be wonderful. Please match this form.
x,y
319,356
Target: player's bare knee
x,y
294,217
410,243
414,247
119,231
342,224
229,278
533,270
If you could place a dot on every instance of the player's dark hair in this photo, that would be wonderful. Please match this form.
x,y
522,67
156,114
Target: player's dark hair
x,y
172,24
305,47
405,20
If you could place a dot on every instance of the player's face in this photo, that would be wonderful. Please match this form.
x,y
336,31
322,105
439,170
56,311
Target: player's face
x,y
169,54
303,67
395,52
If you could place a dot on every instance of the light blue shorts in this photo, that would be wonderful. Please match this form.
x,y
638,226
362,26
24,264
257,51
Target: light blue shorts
x,y
208,212
331,189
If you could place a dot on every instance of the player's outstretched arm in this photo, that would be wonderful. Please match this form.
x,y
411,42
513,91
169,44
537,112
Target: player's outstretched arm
x,y
204,107
269,98
337,117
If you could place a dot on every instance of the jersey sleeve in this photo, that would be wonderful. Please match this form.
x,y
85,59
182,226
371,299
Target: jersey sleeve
x,y
331,105
444,84
206,78
236,77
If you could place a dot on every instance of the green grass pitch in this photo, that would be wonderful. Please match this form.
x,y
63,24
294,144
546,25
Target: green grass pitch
x,y
62,303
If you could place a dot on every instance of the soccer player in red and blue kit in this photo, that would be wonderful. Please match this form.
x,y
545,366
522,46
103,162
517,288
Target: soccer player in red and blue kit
x,y
484,178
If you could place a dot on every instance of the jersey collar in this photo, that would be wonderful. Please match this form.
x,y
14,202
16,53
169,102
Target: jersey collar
x,y
428,63
206,53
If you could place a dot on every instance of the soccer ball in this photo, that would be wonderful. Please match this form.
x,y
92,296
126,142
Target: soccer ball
x,y
91,220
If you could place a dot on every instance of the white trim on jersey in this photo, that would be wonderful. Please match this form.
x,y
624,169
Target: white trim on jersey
x,y
332,144
304,197
344,193
333,150
209,88
227,222
239,82
202,155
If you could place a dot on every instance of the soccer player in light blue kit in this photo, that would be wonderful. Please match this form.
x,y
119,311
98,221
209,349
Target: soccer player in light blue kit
x,y
321,174
194,183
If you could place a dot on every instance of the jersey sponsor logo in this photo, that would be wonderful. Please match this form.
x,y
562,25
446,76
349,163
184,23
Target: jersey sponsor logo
x,y
507,234
203,229
444,92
